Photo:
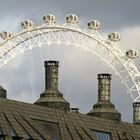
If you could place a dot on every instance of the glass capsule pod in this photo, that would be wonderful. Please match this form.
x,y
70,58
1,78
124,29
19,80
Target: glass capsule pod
x,y
132,54
49,18
72,19
94,24
114,37
27,24
5,35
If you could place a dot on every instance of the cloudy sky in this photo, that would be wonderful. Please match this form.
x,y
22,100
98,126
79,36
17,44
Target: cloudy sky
x,y
23,77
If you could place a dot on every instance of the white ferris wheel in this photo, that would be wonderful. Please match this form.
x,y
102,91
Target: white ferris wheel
x,y
71,34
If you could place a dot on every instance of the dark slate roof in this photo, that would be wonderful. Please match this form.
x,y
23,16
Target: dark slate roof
x,y
30,121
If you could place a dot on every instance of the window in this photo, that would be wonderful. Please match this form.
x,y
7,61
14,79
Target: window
x,y
103,135
16,138
2,138
52,129
55,139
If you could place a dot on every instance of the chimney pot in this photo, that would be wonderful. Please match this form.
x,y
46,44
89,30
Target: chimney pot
x,y
104,108
136,112
51,75
104,87
3,92
52,97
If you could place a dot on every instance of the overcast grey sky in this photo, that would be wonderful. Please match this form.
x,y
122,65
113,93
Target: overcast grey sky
x,y
23,77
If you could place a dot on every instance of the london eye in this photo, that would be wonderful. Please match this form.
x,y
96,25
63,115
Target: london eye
x,y
70,34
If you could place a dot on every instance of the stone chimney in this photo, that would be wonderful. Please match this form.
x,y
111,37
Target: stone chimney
x,y
104,83
136,113
3,93
52,97
104,108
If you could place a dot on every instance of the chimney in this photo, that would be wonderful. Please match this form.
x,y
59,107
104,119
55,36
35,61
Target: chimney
x,y
51,74
3,93
136,113
52,97
104,108
104,82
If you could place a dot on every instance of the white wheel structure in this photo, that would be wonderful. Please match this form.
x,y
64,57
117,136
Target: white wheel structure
x,y
71,34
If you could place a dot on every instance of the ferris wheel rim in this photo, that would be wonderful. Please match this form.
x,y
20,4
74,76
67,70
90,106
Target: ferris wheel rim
x,y
61,28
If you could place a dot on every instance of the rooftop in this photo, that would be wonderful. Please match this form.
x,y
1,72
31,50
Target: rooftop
x,y
50,117
29,121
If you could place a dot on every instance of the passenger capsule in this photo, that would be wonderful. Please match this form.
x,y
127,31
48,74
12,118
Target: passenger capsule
x,y
72,19
5,35
132,54
49,18
27,24
114,37
94,24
